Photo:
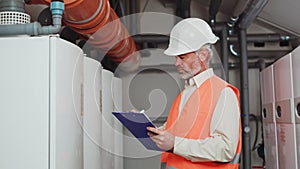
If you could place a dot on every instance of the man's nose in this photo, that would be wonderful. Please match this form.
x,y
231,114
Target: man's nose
x,y
178,61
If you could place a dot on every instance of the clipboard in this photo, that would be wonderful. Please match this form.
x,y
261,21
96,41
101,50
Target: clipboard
x,y
137,124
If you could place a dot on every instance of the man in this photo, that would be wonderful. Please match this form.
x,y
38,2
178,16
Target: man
x,y
203,126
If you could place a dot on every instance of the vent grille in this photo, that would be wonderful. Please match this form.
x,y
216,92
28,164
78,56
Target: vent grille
x,y
10,18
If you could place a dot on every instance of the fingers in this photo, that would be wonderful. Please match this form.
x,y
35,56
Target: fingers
x,y
163,139
150,134
158,139
155,130
134,111
155,134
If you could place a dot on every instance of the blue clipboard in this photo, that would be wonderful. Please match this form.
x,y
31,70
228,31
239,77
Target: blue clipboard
x,y
137,124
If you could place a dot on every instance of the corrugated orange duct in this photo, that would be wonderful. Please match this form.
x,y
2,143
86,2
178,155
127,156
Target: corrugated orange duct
x,y
99,24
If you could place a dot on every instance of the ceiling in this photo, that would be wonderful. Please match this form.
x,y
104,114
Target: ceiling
x,y
277,14
283,15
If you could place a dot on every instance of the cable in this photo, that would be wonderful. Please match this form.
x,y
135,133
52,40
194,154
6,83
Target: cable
x,y
256,131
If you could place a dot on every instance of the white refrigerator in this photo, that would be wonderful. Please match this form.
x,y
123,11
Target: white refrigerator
x,y
285,118
269,118
40,103
118,127
106,107
296,82
92,118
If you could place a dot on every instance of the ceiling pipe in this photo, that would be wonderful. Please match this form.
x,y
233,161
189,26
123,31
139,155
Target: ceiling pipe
x,y
149,38
272,37
260,64
224,52
257,38
251,12
218,26
186,8
178,9
183,9
213,10
222,29
133,9
247,17
98,23
260,38
232,51
245,99
238,10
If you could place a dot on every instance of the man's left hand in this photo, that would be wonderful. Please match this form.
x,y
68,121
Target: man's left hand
x,y
163,139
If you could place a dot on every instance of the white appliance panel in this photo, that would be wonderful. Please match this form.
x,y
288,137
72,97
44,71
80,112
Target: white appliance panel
x,y
296,71
283,78
269,120
286,146
267,85
296,84
41,96
24,102
118,127
92,116
285,118
271,151
107,120
66,88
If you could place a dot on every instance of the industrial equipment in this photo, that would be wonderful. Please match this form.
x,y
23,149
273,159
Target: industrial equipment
x,y
296,84
41,103
92,118
285,118
269,117
56,103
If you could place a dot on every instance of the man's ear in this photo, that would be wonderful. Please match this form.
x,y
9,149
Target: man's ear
x,y
203,55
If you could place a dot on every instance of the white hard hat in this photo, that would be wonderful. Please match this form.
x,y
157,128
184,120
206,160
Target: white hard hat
x,y
189,35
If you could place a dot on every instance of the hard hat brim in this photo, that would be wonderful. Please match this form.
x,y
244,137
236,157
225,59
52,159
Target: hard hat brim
x,y
182,49
176,52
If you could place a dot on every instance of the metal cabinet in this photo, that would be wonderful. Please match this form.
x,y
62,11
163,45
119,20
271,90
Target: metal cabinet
x,y
285,118
269,118
41,103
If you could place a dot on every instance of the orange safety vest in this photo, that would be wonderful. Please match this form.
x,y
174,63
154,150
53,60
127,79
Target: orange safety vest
x,y
194,123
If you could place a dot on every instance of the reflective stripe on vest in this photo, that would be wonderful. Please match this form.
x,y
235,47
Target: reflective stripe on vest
x,y
236,159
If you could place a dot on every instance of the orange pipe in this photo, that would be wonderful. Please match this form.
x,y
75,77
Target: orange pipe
x,y
101,26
